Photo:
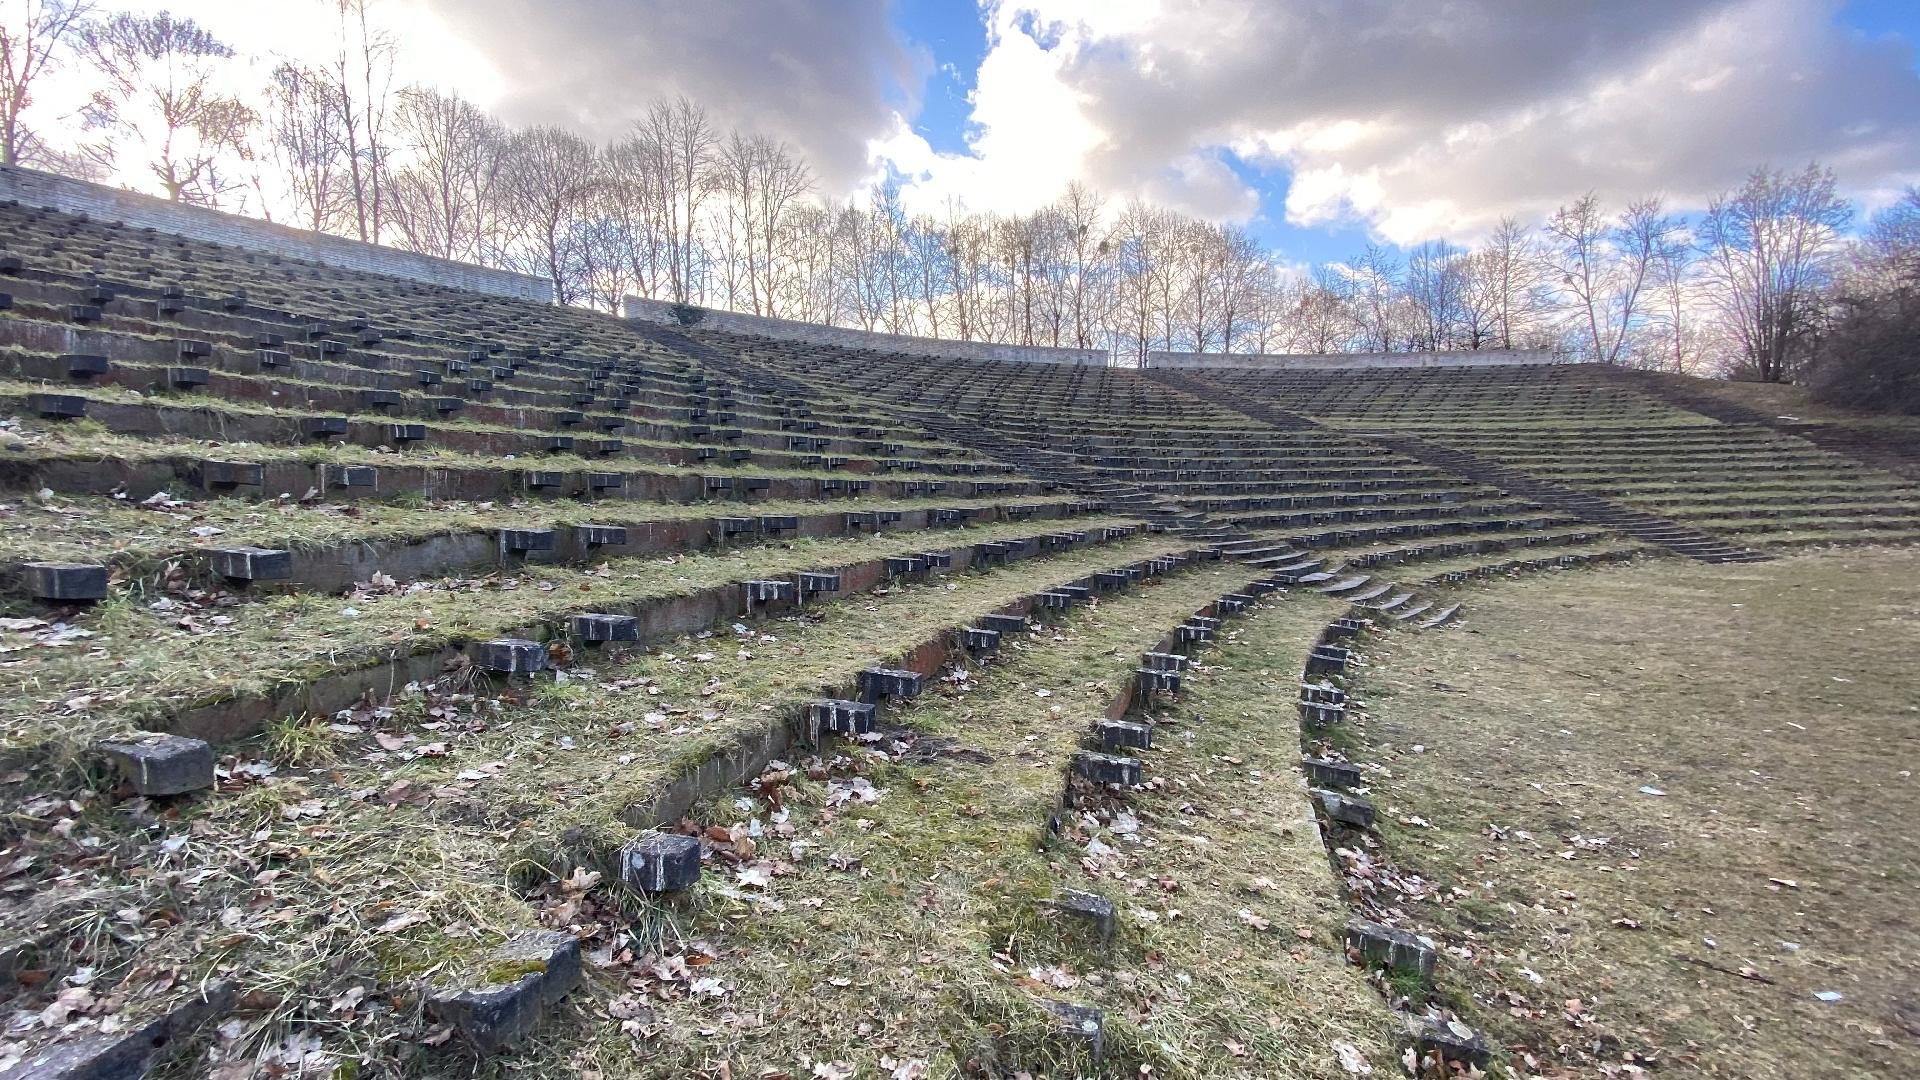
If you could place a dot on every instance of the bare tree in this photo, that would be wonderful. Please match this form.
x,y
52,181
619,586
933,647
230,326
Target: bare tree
x,y
439,199
1505,294
31,35
1604,267
1771,250
160,95
362,76
672,153
304,139
550,179
763,180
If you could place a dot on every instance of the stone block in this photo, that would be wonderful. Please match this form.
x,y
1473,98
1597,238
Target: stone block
x,y
542,479
1346,809
1392,948
815,583
231,474
1327,772
251,563
1328,660
769,591
1091,909
597,628
898,565
1082,1027
187,349
1053,601
981,641
878,683
569,418
352,476
834,716
1111,580
593,536
57,406
1450,1040
510,656
1107,768
187,378
444,406
660,863
160,764
1122,735
734,526
1154,681
938,560
384,401
522,979
403,434
1006,624
1163,661
779,523
1078,592
557,444
323,427
527,541
85,366
606,481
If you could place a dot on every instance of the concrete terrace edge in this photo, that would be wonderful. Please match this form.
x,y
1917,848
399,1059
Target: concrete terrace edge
x,y
31,187
659,312
1481,358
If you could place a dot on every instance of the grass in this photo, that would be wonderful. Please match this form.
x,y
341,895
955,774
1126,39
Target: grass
x,y
397,861
1591,924
141,664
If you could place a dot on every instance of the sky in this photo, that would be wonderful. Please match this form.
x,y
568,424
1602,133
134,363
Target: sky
x,y
1319,125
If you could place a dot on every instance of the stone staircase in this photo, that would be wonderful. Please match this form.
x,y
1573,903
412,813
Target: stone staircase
x,y
1671,535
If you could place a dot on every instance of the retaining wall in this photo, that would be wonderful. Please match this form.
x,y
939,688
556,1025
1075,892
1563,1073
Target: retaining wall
x,y
639,309
1476,359
31,187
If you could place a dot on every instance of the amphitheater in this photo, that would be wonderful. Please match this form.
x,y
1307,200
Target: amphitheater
x,y
405,680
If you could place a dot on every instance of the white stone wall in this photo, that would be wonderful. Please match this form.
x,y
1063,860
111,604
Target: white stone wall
x,y
33,188
1476,359
733,322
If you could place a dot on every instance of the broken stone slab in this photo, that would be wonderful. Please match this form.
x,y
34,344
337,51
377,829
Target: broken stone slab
x,y
598,628
1107,768
510,656
1331,773
1345,809
1123,735
251,563
835,716
126,1054
1094,910
162,764
63,582
660,862
1396,949
524,977
889,683
1450,1040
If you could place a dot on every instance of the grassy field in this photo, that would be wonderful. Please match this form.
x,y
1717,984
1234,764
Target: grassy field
x,y
1661,818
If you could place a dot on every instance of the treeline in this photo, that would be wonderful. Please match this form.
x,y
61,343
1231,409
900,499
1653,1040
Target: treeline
x,y
676,209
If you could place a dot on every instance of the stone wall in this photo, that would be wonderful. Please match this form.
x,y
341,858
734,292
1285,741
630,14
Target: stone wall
x,y
33,188
1477,359
733,322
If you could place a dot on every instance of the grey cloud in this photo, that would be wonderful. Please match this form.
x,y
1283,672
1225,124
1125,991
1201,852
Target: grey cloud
x,y
817,73
1497,106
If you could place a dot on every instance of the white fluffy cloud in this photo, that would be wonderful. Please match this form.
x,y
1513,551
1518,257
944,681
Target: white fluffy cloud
x,y
1418,119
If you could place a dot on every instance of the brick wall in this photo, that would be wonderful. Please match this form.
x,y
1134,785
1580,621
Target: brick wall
x,y
1476,359
656,311
33,188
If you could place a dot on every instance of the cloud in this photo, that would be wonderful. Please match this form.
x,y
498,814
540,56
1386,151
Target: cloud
x,y
823,74
1420,119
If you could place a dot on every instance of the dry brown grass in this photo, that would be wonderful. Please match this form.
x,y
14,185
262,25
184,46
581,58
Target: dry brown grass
x,y
1592,924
